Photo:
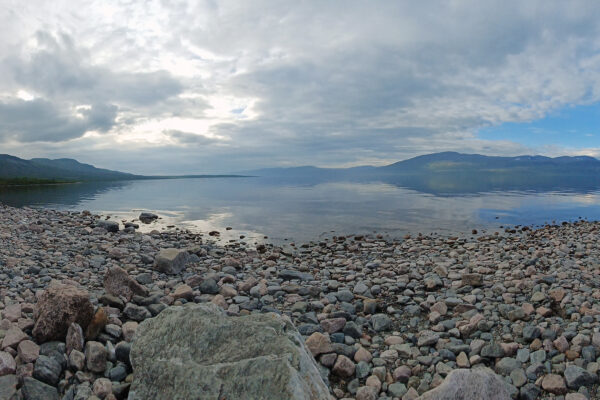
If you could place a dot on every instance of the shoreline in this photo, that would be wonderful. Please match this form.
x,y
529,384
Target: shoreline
x,y
404,312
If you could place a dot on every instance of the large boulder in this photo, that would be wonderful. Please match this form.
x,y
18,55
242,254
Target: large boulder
x,y
470,384
171,261
118,283
58,307
198,352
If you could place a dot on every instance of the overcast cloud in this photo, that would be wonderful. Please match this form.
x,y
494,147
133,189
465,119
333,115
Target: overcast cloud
x,y
217,86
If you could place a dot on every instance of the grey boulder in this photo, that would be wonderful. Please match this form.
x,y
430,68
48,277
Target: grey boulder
x,y
197,351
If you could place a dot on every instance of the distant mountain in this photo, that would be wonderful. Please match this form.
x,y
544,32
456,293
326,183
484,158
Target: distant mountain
x,y
448,162
452,162
15,170
452,173
63,169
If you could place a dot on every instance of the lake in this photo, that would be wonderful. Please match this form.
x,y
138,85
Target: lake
x,y
303,210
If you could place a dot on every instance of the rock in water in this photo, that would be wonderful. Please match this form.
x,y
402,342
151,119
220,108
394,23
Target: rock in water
x,y
57,308
171,261
470,384
197,352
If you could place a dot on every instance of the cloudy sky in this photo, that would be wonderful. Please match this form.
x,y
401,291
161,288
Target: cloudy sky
x,y
218,86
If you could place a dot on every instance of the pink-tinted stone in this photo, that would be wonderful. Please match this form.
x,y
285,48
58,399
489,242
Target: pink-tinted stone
x,y
561,344
183,292
318,343
362,355
343,367
74,340
128,330
554,383
28,351
8,365
102,387
57,308
13,337
12,312
333,325
402,374
118,283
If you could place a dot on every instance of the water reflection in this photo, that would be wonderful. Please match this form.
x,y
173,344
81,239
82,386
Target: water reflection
x,y
304,210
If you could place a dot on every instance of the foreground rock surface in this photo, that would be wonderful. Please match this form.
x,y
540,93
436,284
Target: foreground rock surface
x,y
198,352
385,318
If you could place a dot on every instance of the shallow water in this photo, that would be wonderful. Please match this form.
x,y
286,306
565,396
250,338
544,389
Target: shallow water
x,y
302,211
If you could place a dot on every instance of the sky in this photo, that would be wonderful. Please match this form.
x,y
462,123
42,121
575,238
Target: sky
x,y
167,87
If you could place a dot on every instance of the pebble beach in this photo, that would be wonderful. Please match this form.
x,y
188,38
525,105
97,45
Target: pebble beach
x,y
383,318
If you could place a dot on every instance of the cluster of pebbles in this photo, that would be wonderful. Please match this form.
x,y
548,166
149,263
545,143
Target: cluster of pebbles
x,y
383,318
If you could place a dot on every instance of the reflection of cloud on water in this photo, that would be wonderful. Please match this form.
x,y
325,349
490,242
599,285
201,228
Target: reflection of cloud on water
x,y
305,212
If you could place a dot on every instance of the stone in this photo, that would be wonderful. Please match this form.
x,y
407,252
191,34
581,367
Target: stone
x,y
35,390
8,387
95,356
97,324
77,360
332,325
428,338
317,343
58,307
28,351
74,339
531,332
380,322
8,366
253,356
171,261
362,355
117,282
475,280
554,383
183,292
343,367
147,217
13,337
518,377
470,384
290,274
397,389
12,312
102,387
136,313
366,393
506,365
128,330
47,370
577,377
492,350
109,226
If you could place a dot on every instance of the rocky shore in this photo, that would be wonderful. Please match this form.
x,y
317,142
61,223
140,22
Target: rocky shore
x,y
513,314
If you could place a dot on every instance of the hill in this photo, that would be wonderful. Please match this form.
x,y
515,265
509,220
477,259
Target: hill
x,y
63,169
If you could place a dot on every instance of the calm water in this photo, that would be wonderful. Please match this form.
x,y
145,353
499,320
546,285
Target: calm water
x,y
306,211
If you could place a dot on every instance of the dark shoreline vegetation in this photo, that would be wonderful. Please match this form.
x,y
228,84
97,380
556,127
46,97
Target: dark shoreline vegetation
x,y
26,181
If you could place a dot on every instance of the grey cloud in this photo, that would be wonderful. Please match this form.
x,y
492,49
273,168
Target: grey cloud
x,y
41,120
60,70
332,82
188,138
